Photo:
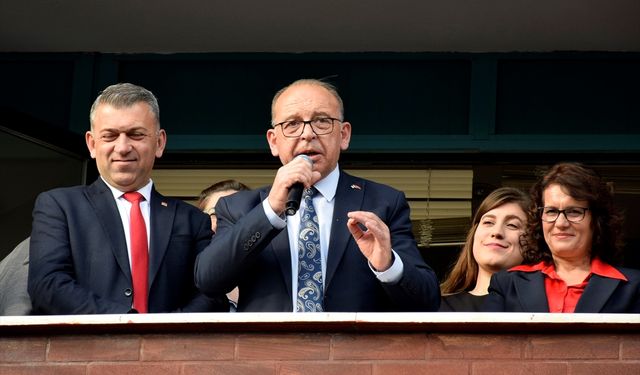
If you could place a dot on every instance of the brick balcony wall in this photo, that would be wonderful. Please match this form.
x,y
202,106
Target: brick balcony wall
x,y
312,347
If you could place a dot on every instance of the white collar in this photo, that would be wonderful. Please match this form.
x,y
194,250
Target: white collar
x,y
328,185
145,190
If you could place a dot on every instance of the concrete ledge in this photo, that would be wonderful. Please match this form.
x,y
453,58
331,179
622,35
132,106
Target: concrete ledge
x,y
321,322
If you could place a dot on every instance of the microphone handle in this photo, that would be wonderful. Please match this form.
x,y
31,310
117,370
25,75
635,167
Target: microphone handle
x,y
293,198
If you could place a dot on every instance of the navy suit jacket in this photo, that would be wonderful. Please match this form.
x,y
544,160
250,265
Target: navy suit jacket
x,y
249,252
79,262
519,291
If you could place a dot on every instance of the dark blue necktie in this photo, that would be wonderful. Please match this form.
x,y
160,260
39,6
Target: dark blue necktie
x,y
310,290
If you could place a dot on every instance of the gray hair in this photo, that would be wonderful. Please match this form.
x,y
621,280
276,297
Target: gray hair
x,y
313,82
124,95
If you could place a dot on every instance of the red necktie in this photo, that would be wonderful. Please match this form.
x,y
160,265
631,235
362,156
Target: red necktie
x,y
139,253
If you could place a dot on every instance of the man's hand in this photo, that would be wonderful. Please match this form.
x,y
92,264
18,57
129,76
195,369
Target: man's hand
x,y
297,170
374,241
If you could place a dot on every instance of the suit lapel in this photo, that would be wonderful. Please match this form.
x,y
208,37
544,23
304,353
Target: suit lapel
x,y
531,291
162,215
347,199
596,294
101,198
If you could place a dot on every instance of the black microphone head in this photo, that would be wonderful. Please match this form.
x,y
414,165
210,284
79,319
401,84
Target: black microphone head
x,y
295,193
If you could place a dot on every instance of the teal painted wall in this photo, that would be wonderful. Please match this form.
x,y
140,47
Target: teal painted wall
x,y
397,102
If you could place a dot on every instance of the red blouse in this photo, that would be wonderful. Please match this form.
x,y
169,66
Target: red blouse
x,y
560,296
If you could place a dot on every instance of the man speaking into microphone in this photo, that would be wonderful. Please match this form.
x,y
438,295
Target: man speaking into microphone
x,y
343,244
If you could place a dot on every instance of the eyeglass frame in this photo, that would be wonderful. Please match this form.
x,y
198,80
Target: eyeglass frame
x,y
308,122
564,212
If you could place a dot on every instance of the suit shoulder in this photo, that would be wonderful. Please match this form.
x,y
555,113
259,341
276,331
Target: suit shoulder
x,y
178,203
63,195
244,199
633,275
358,182
503,275
507,276
68,190
387,189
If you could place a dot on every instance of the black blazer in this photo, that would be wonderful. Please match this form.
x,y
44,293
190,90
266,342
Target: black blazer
x,y
79,262
519,291
247,251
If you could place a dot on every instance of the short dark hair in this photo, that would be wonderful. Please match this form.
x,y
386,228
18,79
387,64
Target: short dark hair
x,y
220,186
581,183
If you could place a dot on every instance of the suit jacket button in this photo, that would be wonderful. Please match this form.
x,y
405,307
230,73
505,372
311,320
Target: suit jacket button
x,y
128,292
257,234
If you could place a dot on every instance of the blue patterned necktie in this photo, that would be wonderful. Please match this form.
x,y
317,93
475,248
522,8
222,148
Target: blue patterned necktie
x,y
309,259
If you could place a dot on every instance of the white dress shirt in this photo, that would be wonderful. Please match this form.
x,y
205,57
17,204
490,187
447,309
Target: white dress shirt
x,y
124,208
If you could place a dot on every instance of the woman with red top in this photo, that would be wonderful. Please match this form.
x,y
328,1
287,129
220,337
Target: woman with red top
x,y
574,238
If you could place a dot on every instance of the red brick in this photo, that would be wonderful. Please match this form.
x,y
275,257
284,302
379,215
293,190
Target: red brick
x,y
188,347
134,368
279,347
480,346
236,368
43,369
563,346
422,368
524,368
630,347
379,346
25,349
600,368
326,368
94,348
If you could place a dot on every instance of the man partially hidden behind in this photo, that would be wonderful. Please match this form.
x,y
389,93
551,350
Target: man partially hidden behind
x,y
117,245
349,247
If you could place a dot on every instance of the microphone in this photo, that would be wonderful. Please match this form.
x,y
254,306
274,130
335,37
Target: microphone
x,y
295,193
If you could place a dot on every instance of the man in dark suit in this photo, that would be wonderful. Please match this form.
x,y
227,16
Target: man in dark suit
x,y
369,259
84,256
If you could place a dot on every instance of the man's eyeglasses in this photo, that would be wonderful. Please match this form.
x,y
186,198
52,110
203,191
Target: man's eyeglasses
x,y
319,125
572,214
